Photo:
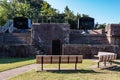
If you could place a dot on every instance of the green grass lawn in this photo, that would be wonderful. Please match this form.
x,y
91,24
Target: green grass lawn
x,y
10,63
84,73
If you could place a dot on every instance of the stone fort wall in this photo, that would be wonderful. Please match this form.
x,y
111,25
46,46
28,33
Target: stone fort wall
x,y
16,44
86,44
72,41
88,51
94,37
45,33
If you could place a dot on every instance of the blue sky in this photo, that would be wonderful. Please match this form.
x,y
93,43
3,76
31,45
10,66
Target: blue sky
x,y
104,11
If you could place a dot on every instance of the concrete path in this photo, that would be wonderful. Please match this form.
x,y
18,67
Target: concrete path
x,y
14,72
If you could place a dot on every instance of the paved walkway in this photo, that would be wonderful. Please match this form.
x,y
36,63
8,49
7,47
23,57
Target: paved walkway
x,y
14,72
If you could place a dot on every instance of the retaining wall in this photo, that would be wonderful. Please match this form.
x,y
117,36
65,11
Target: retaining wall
x,y
88,51
16,44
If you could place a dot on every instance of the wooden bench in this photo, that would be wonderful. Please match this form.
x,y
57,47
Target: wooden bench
x,y
106,57
58,59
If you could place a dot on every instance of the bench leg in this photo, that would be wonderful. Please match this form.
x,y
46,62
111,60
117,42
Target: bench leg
x,y
42,67
98,65
59,66
42,63
75,66
110,62
105,64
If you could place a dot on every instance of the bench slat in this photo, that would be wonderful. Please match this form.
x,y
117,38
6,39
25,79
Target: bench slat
x,y
64,59
47,59
55,59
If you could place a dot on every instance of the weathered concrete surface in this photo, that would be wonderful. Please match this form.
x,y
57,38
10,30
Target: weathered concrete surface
x,y
113,34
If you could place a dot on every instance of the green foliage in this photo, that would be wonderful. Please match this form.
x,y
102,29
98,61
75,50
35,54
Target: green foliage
x,y
78,16
69,14
101,26
9,10
85,15
38,11
23,10
3,16
47,12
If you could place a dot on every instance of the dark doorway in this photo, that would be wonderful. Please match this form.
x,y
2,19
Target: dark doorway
x,y
56,47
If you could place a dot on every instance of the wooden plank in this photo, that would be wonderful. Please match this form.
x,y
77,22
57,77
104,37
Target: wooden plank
x,y
55,59
100,58
38,59
46,59
104,58
72,59
115,56
80,59
107,58
112,57
64,59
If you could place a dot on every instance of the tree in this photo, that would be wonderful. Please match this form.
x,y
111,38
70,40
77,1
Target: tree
x,y
35,5
70,18
4,11
12,9
85,15
23,10
3,16
69,14
38,11
47,12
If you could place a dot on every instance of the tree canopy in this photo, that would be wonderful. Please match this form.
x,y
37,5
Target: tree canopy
x,y
38,11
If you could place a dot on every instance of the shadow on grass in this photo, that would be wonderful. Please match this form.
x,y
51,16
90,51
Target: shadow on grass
x,y
116,62
115,68
13,60
72,71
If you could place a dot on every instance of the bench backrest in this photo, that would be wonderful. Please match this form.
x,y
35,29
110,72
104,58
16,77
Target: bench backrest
x,y
106,56
46,59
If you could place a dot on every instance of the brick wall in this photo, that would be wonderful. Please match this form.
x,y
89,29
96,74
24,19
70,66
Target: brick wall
x,y
94,37
16,44
16,50
88,51
15,38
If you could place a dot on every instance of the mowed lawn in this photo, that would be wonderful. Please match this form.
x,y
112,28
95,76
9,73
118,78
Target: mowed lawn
x,y
10,63
87,71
